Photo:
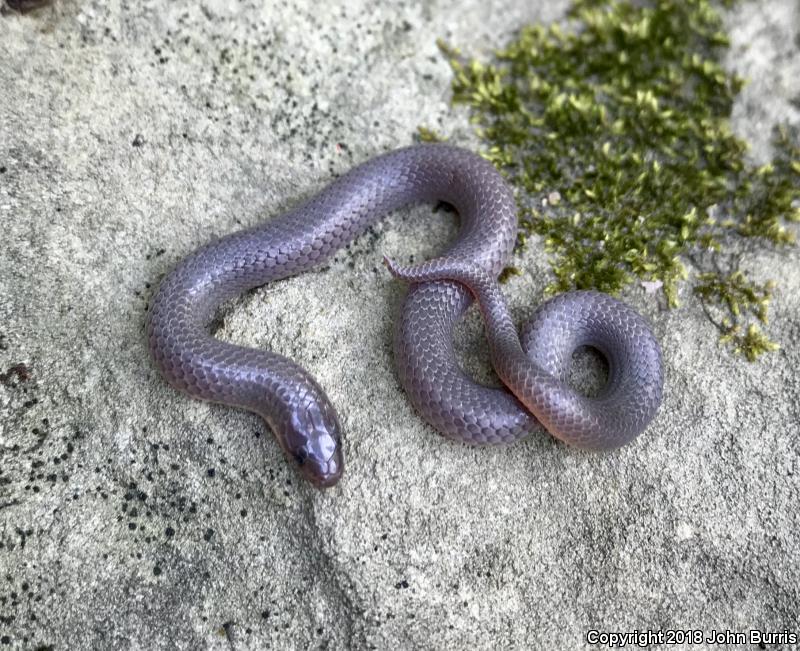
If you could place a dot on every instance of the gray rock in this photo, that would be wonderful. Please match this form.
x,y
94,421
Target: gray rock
x,y
131,516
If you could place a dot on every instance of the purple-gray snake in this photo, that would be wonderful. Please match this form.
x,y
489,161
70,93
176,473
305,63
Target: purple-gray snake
x,y
534,366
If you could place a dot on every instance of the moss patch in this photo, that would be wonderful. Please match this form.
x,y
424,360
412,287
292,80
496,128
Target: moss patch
x,y
614,127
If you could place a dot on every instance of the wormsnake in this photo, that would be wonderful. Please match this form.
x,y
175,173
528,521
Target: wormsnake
x,y
535,368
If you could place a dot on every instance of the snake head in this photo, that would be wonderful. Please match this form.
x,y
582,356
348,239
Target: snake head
x,y
312,438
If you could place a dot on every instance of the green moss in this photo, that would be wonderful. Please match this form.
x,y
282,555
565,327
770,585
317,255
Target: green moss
x,y
730,299
428,135
735,293
751,344
614,126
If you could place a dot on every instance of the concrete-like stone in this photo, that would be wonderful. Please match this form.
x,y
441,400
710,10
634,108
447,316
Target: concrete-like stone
x,y
131,516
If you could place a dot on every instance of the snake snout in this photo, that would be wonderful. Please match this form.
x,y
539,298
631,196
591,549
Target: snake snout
x,y
312,438
324,474
322,461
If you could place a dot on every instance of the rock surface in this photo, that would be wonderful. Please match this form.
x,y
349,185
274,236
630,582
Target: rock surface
x,y
131,516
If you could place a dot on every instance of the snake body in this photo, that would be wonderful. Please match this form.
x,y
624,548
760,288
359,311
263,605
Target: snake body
x,y
296,407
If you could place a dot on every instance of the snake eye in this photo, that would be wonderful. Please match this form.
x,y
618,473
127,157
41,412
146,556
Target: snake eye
x,y
300,456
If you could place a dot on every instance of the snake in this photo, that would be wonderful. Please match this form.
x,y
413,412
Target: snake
x,y
533,364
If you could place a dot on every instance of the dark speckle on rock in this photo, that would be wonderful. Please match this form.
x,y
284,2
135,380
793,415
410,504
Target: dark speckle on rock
x,y
138,140
18,372
24,6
